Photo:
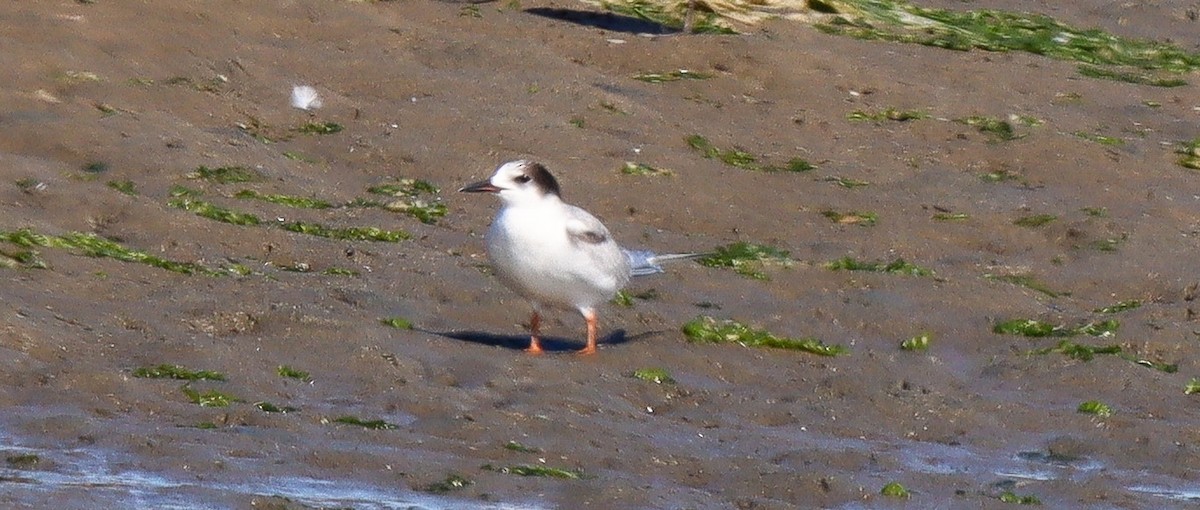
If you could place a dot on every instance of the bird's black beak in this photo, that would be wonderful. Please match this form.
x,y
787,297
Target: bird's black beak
x,y
480,187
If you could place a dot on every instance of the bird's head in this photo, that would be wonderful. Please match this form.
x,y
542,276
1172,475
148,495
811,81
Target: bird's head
x,y
518,181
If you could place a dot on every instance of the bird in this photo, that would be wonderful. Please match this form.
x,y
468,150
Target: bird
x,y
554,254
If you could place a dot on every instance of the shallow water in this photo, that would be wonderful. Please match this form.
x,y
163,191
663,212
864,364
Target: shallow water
x,y
87,475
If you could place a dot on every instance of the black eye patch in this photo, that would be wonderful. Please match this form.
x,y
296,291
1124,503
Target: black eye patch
x,y
544,180
523,179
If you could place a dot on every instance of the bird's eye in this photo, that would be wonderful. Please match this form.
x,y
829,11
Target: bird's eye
x,y
523,179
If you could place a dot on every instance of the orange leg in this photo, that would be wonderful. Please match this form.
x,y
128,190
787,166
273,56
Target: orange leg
x,y
590,317
535,342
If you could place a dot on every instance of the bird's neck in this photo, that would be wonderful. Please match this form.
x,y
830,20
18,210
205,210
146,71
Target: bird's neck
x,y
543,201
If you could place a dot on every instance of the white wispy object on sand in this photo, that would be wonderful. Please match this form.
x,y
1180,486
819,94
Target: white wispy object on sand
x,y
552,253
305,97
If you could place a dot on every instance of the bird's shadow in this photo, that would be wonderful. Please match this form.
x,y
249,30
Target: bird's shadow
x,y
549,344
603,20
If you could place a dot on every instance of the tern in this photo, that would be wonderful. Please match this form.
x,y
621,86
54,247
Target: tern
x,y
553,254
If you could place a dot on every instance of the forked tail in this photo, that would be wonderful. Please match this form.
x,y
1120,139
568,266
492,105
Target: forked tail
x,y
644,262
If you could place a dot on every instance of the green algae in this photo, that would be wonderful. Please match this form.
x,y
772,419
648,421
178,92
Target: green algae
x,y
897,266
1037,329
106,109
1120,306
518,447
895,490
999,176
705,329
29,184
1027,281
346,234
1169,368
406,192
178,191
1108,244
298,156
403,187
1189,154
397,322
1078,351
367,424
285,200
26,259
210,398
452,482
1101,55
998,129
23,461
747,259
470,11
319,128
654,375
742,159
530,470
1095,407
1192,386
847,182
292,373
626,299
677,75
917,343
1011,497
226,174
92,245
268,407
951,216
425,212
630,168
889,113
298,267
860,218
124,186
1131,75
1087,353
262,132
178,372
623,299
95,167
703,22
214,212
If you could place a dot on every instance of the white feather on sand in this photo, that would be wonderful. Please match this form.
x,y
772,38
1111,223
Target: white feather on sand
x,y
305,97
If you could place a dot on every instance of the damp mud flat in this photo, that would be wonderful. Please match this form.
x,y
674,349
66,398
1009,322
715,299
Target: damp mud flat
x,y
936,278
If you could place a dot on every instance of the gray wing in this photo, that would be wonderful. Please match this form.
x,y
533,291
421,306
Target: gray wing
x,y
585,228
585,231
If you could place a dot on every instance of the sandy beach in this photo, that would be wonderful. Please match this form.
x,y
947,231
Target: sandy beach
x,y
321,290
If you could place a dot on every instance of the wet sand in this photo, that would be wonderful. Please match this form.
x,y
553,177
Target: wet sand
x,y
444,93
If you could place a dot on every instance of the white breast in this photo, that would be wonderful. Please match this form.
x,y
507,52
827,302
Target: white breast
x,y
533,254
